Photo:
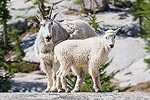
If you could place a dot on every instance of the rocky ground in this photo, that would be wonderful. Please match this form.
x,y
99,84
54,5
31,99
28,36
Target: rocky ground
x,y
128,53
75,96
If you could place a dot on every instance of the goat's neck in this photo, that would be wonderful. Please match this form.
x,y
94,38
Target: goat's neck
x,y
49,44
105,47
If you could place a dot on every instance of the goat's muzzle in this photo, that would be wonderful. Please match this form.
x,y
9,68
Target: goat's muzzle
x,y
111,46
48,38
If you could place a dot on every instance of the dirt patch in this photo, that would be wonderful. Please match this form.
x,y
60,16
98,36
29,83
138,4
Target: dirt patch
x,y
27,67
144,87
72,12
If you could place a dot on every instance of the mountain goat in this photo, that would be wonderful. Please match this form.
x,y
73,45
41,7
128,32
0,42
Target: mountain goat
x,y
83,56
52,33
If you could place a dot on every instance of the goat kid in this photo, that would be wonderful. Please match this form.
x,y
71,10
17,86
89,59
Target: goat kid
x,y
83,56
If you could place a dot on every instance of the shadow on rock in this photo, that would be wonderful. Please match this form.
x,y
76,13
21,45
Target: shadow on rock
x,y
27,86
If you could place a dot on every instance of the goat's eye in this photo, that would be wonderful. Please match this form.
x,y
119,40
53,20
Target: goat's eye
x,y
42,24
106,37
51,23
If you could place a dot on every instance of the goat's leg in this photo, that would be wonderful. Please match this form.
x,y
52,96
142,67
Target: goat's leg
x,y
54,70
65,71
48,71
49,83
53,88
91,86
94,72
80,77
58,82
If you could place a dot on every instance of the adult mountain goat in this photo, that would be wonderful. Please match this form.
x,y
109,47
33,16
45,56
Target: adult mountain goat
x,y
52,33
83,56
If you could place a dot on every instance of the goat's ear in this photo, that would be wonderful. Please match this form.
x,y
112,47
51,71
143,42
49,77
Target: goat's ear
x,y
54,16
117,30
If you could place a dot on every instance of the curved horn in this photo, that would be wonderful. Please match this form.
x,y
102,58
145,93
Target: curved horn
x,y
50,12
117,30
41,11
38,17
55,16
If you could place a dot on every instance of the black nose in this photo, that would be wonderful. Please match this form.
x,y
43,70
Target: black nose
x,y
111,46
48,37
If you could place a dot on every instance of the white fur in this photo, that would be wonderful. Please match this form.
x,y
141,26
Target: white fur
x,y
79,29
44,50
83,56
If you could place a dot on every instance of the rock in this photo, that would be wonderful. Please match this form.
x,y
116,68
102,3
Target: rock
x,y
111,20
143,86
27,46
101,5
75,96
129,54
28,82
30,55
20,24
134,73
125,31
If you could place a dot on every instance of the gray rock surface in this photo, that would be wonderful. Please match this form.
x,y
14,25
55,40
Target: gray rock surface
x,y
128,53
28,82
75,96
128,57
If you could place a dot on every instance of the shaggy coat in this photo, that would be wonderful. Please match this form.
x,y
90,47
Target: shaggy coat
x,y
83,56
57,32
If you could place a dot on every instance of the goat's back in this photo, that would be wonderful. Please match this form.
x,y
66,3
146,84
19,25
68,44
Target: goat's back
x,y
77,51
79,28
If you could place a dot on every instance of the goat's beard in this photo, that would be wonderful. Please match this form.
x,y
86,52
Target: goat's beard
x,y
48,41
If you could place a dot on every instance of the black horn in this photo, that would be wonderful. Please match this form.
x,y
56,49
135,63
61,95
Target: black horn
x,y
42,14
50,11
54,16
